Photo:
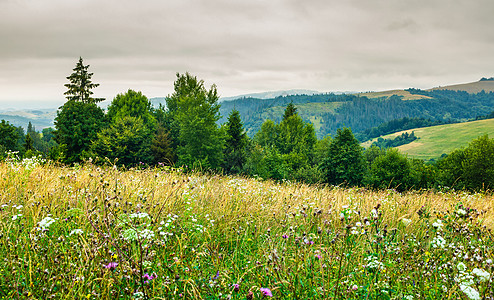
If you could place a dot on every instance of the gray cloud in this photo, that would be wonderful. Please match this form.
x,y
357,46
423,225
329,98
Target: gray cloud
x,y
242,46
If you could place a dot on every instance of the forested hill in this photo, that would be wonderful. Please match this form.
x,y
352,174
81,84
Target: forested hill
x,y
328,112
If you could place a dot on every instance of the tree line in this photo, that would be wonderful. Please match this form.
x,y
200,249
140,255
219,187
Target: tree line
x,y
186,134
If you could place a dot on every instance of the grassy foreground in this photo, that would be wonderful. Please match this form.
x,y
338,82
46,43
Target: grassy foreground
x,y
99,233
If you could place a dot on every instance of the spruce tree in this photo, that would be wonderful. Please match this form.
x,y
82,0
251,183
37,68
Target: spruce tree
x,y
236,141
345,163
79,88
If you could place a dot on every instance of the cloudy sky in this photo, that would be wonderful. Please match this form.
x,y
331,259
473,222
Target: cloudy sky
x,y
241,46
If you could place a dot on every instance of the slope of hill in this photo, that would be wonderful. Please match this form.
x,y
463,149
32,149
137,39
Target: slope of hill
x,y
434,141
406,95
484,84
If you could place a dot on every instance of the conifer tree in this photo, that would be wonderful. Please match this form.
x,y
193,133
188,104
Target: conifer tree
x,y
236,141
345,163
79,88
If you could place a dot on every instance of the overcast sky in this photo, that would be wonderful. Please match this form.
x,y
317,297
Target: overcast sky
x,y
241,46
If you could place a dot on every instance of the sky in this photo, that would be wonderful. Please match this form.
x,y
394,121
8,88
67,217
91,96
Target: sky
x,y
241,46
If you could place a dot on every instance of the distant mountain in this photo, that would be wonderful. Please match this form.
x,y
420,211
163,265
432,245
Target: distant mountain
x,y
272,94
484,84
40,118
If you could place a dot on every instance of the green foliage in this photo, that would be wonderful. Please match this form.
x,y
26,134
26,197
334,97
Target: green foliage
x,y
132,104
267,136
290,111
9,136
77,125
391,170
161,147
235,144
345,162
80,86
471,168
126,142
402,139
194,110
478,166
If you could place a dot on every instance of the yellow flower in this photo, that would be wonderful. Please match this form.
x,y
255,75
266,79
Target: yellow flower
x,y
114,256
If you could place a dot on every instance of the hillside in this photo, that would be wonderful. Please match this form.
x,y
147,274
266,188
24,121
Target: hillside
x,y
437,140
486,85
405,95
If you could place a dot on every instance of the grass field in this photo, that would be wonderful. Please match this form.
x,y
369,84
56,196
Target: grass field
x,y
405,94
91,232
436,140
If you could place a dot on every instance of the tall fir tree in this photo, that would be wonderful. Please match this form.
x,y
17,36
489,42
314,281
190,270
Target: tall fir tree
x,y
235,144
345,163
80,86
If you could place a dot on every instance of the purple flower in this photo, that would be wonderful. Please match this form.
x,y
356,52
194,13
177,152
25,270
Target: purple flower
x,y
217,275
111,266
236,287
148,277
266,292
284,236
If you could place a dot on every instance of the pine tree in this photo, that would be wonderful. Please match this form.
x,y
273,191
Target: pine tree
x,y
290,110
79,88
236,141
345,163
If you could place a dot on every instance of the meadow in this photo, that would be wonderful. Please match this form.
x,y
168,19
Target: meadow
x,y
93,232
434,141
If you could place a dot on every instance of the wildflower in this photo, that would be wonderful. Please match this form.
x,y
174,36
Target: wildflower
x,y
46,222
139,215
461,267
438,224
354,287
76,231
266,292
481,274
14,217
111,266
217,275
284,236
438,242
406,222
147,278
236,287
138,295
471,293
461,212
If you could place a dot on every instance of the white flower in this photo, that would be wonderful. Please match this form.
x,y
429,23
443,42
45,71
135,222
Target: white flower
x,y
14,217
481,274
138,295
406,222
139,215
46,222
438,242
76,231
461,267
438,224
470,292
461,212
374,213
409,297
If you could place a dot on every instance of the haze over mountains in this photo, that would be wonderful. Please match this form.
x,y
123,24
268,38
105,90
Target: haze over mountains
x,y
258,104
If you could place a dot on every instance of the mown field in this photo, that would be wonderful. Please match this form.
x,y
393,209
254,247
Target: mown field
x,y
92,232
443,139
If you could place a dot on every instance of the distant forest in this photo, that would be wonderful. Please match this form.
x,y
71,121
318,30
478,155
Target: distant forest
x,y
362,114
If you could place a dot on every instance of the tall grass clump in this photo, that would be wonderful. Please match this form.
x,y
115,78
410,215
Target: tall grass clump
x,y
90,232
